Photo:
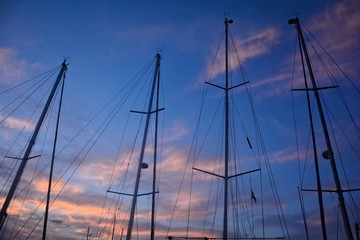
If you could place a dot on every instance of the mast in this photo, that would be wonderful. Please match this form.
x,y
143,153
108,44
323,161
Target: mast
x,y
226,176
152,232
113,230
325,131
88,233
148,114
316,160
52,165
30,146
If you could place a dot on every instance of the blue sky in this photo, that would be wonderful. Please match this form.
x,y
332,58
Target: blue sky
x,y
108,42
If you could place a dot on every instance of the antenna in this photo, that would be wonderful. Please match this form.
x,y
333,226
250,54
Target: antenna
x,y
159,50
226,13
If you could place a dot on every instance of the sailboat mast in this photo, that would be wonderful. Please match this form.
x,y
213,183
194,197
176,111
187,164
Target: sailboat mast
x,y
88,233
152,233
47,206
148,114
30,146
113,230
316,160
226,176
326,133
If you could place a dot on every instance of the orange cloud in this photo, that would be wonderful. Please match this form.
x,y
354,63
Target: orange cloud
x,y
41,186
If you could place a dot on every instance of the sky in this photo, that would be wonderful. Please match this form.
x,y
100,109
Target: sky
x,y
106,44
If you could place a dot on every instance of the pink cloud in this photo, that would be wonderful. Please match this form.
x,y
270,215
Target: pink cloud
x,y
286,155
11,68
336,29
338,26
41,186
17,123
176,132
255,45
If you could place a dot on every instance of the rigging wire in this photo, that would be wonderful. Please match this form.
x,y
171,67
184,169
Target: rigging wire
x,y
27,187
338,90
331,120
276,196
242,201
332,59
96,136
23,149
235,156
192,150
329,112
86,145
131,154
355,214
51,71
23,128
301,176
40,83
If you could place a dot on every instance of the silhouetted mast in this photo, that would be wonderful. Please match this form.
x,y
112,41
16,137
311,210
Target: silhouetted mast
x,y
227,88
148,114
330,152
226,176
29,148
152,232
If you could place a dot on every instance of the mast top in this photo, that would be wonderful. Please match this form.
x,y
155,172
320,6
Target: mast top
x,y
158,55
293,20
64,65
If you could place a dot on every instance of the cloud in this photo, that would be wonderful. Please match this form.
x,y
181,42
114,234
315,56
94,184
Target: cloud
x,y
336,30
176,132
286,155
256,44
41,186
11,68
338,25
17,123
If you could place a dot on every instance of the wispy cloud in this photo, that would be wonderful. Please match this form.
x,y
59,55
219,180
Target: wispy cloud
x,y
286,155
177,131
257,44
41,186
337,27
17,123
336,30
13,68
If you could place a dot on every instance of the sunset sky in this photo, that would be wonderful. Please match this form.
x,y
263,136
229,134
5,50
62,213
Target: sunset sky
x,y
108,44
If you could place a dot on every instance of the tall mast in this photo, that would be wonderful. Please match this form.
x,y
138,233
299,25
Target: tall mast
x,y
316,160
46,215
325,131
226,176
148,114
152,232
30,146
